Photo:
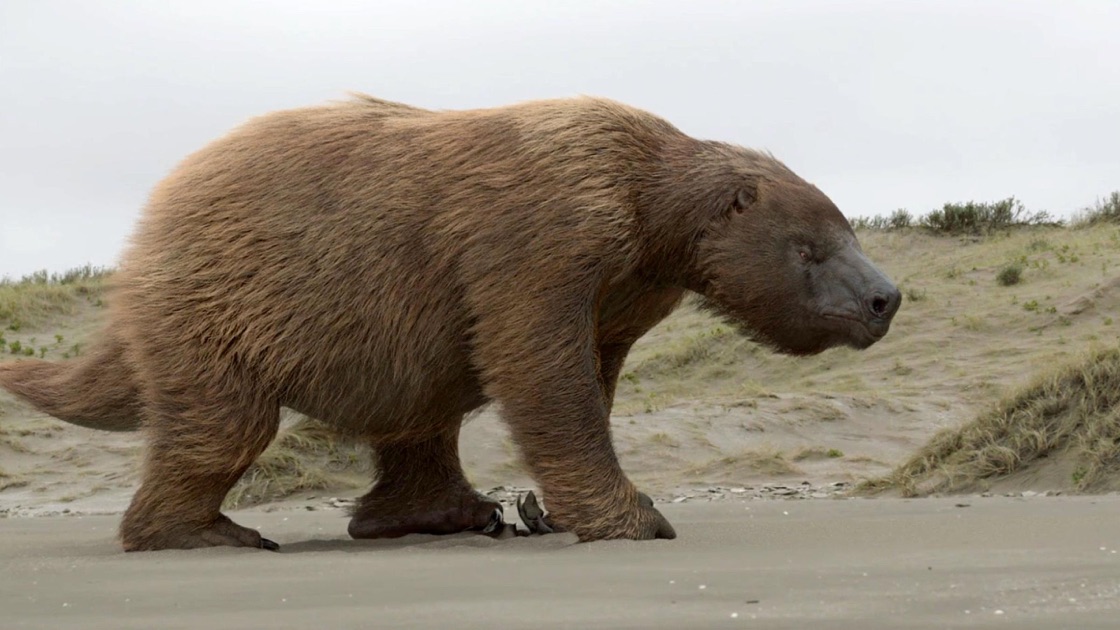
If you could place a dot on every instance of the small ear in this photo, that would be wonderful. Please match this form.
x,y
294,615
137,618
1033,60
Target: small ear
x,y
744,198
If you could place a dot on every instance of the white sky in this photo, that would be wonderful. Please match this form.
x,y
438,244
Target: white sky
x,y
881,104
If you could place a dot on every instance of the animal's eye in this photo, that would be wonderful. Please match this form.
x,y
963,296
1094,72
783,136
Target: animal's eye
x,y
805,256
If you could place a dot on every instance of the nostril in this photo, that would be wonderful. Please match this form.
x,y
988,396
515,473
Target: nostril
x,y
883,304
878,305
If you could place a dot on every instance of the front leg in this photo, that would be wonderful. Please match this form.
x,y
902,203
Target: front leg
x,y
539,361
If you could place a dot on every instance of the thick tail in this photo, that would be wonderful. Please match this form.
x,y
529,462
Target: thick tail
x,y
96,390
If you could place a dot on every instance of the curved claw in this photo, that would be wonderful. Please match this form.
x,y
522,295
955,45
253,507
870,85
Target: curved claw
x,y
533,516
268,545
496,523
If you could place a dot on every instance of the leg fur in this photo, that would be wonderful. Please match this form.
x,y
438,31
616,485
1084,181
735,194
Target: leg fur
x,y
196,453
421,489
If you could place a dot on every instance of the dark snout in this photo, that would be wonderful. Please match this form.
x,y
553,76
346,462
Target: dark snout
x,y
859,299
881,303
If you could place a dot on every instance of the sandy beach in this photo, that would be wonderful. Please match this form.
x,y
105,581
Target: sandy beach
x,y
1040,562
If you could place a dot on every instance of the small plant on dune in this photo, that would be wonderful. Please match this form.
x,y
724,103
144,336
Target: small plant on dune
x,y
1106,210
664,439
42,352
835,453
15,347
915,295
1010,274
1039,245
867,223
898,220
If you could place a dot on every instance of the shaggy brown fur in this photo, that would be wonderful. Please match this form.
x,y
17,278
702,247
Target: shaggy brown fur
x,y
388,269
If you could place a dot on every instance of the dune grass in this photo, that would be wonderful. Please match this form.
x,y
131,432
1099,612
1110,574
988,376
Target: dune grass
x,y
305,456
34,299
1073,411
747,463
1105,210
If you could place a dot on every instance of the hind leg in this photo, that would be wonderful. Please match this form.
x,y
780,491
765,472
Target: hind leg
x,y
196,453
421,489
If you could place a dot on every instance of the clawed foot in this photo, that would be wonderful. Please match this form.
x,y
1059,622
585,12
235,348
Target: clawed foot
x,y
384,516
652,524
222,533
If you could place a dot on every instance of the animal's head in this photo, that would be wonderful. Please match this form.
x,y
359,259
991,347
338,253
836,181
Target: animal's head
x,y
781,261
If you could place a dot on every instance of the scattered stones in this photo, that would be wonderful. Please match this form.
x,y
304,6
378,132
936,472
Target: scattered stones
x,y
803,490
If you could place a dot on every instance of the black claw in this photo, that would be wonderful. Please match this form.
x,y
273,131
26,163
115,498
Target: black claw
x,y
496,524
532,515
269,545
528,508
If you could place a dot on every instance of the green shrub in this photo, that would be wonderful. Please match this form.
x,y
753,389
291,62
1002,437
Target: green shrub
x,y
1010,274
915,295
899,219
983,218
1106,210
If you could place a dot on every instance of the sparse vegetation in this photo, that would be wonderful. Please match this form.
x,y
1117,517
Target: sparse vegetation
x,y
898,220
734,467
304,456
1010,274
914,295
816,452
984,218
1105,210
1072,414
977,218
33,299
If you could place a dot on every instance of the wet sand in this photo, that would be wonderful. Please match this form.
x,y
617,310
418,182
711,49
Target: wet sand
x,y
1043,562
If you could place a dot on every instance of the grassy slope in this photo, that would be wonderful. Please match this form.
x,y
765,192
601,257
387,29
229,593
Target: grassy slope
x,y
1065,425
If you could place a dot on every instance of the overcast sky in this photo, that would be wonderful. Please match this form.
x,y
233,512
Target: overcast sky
x,y
881,104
